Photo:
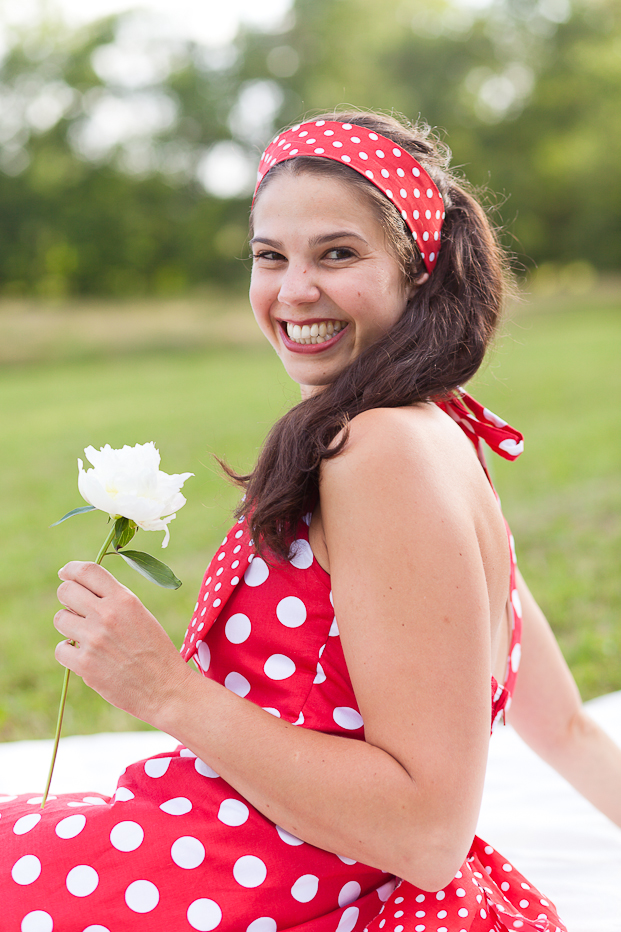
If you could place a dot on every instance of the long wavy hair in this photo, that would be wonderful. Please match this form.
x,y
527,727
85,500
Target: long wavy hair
x,y
438,343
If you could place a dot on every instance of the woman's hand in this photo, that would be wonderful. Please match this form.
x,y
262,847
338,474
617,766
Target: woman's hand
x,y
121,651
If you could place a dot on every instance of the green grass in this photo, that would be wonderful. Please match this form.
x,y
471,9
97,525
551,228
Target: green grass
x,y
192,405
555,375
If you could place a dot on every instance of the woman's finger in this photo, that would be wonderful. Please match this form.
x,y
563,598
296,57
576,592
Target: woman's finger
x,y
68,624
91,576
67,654
76,598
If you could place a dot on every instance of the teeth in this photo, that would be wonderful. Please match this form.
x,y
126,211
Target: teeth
x,y
314,333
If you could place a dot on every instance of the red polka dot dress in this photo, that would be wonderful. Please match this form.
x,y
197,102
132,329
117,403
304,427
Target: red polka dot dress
x,y
177,848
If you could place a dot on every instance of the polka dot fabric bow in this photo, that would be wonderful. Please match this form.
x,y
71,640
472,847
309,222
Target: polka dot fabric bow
x,y
389,167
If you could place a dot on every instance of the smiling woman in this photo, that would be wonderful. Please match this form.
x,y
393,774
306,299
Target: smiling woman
x,y
360,627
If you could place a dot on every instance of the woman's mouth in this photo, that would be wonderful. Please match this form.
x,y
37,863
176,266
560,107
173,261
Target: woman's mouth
x,y
315,336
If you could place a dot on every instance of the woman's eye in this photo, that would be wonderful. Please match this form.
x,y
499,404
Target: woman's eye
x,y
340,253
270,256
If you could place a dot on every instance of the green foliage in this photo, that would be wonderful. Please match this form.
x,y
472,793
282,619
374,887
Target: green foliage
x,y
526,92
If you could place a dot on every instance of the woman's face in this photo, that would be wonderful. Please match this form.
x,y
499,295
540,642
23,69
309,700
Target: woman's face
x,y
324,285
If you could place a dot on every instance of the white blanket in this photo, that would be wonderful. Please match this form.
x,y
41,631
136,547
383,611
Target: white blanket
x,y
553,836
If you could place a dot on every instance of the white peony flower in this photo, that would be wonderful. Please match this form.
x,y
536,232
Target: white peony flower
x,y
128,483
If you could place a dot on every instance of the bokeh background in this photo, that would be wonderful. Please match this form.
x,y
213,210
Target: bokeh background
x,y
129,139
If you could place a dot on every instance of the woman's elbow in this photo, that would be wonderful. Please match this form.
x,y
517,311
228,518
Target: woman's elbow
x,y
433,863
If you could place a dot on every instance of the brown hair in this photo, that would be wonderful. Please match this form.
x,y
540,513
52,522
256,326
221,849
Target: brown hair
x,y
438,343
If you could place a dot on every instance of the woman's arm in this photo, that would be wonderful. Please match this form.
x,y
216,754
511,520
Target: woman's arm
x,y
547,713
411,598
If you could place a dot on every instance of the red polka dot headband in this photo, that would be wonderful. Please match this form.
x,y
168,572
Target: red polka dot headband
x,y
390,168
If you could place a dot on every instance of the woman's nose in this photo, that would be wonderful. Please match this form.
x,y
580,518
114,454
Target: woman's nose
x,y
298,285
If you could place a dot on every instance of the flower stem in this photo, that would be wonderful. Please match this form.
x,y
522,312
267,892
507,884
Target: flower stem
x,y
63,694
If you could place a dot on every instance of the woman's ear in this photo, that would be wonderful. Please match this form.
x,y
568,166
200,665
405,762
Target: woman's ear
x,y
418,281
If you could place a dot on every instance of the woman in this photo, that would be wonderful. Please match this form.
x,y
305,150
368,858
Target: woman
x,y
333,751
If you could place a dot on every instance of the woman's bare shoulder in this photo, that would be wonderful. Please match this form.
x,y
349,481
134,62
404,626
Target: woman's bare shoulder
x,y
418,442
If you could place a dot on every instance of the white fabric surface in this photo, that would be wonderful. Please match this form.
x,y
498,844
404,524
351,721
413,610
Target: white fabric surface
x,y
551,834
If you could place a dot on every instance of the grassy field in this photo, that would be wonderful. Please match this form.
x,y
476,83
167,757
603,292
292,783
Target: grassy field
x,y
208,387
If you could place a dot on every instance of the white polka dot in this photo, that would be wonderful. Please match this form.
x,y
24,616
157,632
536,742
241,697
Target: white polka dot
x,y
96,928
524,904
233,812
237,628
126,836
274,712
320,676
345,860
420,898
441,915
37,921
348,920
507,868
9,799
305,888
386,889
142,896
300,719
257,572
516,655
463,912
237,683
204,769
187,852
122,795
300,554
82,880
249,871
264,924
26,823
515,598
504,886
291,612
349,893
334,629
288,838
34,801
429,192
26,870
279,667
156,766
460,892
179,805
403,192
347,718
204,915
204,656
440,895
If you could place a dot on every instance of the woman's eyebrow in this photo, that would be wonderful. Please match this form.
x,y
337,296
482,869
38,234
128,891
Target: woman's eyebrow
x,y
314,241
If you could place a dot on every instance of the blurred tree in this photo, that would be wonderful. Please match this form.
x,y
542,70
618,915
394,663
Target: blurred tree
x,y
126,158
527,93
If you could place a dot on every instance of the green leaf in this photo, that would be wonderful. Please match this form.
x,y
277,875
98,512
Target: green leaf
x,y
76,511
151,568
124,530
